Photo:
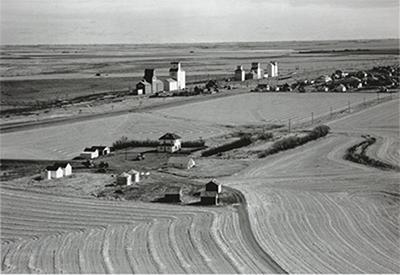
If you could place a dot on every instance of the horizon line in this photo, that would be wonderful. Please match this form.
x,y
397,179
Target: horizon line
x,y
201,42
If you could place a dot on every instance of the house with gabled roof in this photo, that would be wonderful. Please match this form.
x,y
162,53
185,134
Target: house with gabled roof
x,y
170,142
214,186
54,172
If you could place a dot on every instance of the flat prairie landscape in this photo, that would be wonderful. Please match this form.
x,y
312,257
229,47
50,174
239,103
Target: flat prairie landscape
x,y
301,210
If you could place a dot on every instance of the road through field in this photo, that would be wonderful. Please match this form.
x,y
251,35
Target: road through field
x,y
314,212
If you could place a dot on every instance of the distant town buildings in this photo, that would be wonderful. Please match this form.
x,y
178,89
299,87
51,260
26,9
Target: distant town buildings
x,y
272,69
94,152
178,74
169,142
240,74
150,84
256,72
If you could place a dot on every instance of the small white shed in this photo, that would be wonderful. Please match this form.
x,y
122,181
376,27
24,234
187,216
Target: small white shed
x,y
124,179
181,162
66,167
135,176
54,172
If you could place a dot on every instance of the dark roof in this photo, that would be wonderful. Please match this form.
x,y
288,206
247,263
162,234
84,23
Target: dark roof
x,y
52,168
61,164
89,149
144,82
214,182
99,147
173,69
169,136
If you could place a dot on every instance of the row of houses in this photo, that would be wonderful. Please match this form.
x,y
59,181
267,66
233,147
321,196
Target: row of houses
x,y
150,84
128,178
256,72
58,170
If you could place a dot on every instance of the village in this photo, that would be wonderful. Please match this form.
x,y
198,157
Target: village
x,y
139,166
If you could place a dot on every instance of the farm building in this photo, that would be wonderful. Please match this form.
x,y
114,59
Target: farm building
x,y
341,88
169,142
124,179
135,175
214,186
209,198
240,74
256,68
178,74
54,172
181,162
170,85
90,153
251,75
143,88
272,69
103,150
65,166
173,195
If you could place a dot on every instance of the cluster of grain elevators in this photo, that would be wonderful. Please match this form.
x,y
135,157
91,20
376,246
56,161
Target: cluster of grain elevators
x,y
150,84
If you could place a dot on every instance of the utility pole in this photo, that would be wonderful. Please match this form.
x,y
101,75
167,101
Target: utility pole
x,y
312,118
331,111
348,104
289,124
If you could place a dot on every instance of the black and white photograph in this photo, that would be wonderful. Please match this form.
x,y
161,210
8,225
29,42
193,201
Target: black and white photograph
x,y
199,136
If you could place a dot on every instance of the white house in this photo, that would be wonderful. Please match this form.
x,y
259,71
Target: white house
x,y
90,153
170,85
341,88
272,69
181,162
135,176
178,74
169,142
102,150
124,179
54,172
240,74
66,167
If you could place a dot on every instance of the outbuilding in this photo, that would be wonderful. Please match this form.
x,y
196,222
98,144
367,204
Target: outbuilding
x,y
173,195
170,85
54,172
143,88
90,153
240,74
341,88
135,175
209,198
124,179
181,162
214,186
66,168
103,150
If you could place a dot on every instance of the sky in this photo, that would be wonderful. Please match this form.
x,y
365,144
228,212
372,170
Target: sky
x,y
188,21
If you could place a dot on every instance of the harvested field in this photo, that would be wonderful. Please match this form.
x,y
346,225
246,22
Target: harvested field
x,y
71,235
273,108
67,141
314,212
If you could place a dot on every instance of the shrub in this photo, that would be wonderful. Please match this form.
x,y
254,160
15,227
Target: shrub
x,y
244,141
123,142
292,142
194,143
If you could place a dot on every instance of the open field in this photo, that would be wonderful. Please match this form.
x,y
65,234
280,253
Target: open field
x,y
274,108
190,121
316,213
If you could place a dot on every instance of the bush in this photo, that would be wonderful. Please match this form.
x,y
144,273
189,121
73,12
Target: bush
x,y
123,142
244,141
292,142
194,143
